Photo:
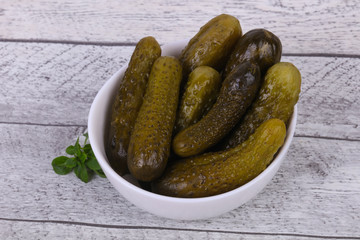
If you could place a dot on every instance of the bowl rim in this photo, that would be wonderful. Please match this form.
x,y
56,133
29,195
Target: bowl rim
x,y
110,171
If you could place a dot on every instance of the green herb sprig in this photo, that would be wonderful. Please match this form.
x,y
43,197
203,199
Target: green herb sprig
x,y
83,161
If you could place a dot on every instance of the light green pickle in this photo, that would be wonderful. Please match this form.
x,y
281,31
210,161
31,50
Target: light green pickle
x,y
212,45
149,146
215,173
200,94
277,97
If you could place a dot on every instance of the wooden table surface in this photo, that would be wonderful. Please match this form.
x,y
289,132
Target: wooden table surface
x,y
56,55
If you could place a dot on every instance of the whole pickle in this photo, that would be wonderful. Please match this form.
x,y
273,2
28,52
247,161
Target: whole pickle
x,y
128,101
237,92
217,173
200,94
277,96
212,45
258,45
150,141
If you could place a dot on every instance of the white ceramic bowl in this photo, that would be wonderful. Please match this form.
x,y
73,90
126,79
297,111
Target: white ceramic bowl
x,y
171,207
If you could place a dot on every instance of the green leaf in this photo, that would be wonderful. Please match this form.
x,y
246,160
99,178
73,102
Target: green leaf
x,y
70,150
77,148
82,173
100,173
59,165
86,135
82,157
70,163
87,148
92,163
84,161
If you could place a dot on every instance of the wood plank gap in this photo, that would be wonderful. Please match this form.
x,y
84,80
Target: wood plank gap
x,y
332,55
175,229
73,42
44,124
124,44
327,138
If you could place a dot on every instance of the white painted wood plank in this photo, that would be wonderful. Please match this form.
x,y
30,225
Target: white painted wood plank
x,y
329,104
316,192
303,26
52,83
56,83
44,230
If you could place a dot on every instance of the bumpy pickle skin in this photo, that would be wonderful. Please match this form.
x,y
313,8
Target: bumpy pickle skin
x,y
236,94
277,97
212,45
258,45
150,141
216,173
128,101
200,94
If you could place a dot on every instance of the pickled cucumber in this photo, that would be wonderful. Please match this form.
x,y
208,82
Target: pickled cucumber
x,y
258,45
128,101
237,92
200,94
217,173
212,45
277,96
149,146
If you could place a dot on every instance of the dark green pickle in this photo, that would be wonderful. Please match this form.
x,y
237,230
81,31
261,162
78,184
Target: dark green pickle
x,y
237,92
150,141
258,45
215,173
127,102
277,97
212,45
200,94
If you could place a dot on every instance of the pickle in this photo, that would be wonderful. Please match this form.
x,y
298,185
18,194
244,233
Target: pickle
x,y
277,96
149,146
212,45
201,91
237,92
128,101
258,45
216,173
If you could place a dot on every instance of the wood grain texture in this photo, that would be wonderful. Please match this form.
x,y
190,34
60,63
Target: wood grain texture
x,y
55,84
329,104
50,230
56,55
303,27
316,191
